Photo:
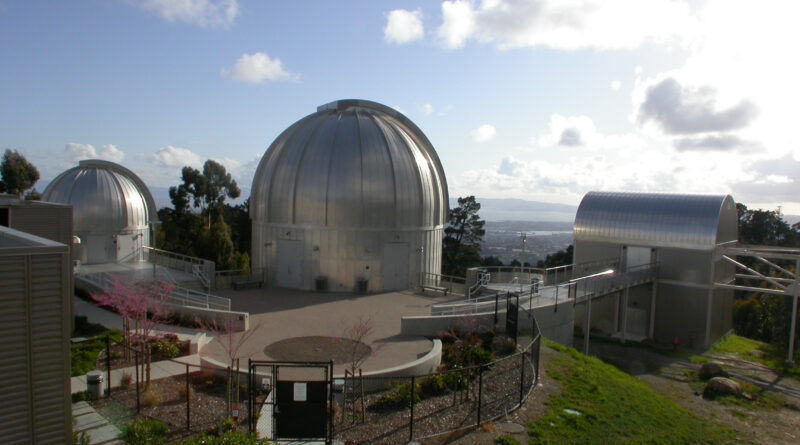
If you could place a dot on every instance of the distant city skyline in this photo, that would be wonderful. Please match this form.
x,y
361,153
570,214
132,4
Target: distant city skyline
x,y
538,100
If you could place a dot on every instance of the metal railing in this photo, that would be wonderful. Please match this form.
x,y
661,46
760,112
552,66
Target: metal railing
x,y
179,296
198,267
454,285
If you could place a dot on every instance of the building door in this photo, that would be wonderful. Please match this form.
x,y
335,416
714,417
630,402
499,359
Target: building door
x,y
290,261
100,249
394,268
636,256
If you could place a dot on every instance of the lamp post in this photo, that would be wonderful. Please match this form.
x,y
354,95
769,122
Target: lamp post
x,y
522,263
154,229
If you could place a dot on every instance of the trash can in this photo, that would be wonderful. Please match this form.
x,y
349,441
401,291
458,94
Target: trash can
x,y
94,383
321,284
361,285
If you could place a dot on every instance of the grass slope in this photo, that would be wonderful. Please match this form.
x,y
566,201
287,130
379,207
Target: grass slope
x,y
614,408
773,356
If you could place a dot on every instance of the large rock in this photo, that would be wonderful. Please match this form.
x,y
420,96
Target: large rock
x,y
722,386
710,370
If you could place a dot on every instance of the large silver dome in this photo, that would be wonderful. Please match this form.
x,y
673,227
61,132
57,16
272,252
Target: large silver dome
x,y
108,201
353,163
349,179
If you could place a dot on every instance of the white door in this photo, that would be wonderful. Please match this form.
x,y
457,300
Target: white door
x,y
394,269
100,249
290,260
636,256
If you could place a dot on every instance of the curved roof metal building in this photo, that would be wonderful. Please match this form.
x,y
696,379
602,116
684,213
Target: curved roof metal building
x,y
353,163
105,197
660,220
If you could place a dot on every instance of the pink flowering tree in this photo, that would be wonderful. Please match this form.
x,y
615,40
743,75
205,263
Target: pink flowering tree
x,y
142,307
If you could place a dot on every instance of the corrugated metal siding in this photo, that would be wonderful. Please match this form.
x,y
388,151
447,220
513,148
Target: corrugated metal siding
x,y
655,220
34,325
48,222
15,400
49,349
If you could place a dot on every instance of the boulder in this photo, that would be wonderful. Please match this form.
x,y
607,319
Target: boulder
x,y
756,353
710,370
722,386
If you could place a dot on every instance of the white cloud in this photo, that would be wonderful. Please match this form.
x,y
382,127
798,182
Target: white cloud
x,y
483,133
170,156
77,152
605,24
111,153
458,23
202,13
256,68
403,26
427,109
616,84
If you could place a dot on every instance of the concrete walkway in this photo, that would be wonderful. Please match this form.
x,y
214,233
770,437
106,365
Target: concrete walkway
x,y
96,427
158,370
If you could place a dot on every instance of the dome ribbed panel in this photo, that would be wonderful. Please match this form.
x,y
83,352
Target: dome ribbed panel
x,y
355,165
378,181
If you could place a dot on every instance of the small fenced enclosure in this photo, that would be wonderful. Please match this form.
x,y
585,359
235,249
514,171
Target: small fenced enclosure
x,y
291,400
186,396
402,409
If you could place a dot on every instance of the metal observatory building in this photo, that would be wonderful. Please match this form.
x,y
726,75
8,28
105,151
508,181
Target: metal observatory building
x,y
676,233
112,210
350,198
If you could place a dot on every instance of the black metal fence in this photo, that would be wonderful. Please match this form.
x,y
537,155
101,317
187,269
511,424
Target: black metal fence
x,y
402,409
188,397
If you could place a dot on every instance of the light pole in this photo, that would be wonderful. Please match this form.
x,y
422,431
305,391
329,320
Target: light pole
x,y
154,228
522,263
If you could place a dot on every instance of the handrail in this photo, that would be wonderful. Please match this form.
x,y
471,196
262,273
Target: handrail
x,y
178,296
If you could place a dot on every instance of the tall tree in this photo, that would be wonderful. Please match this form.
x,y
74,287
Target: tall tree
x,y
17,173
206,191
765,227
461,246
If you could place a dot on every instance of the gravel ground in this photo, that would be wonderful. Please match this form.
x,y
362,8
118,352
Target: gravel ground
x,y
207,404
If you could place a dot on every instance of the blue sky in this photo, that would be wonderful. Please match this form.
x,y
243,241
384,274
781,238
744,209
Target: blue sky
x,y
541,100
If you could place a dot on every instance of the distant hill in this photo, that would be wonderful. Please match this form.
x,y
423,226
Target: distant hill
x,y
499,209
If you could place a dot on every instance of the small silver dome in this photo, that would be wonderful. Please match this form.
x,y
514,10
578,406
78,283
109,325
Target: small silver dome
x,y
353,163
105,197
111,209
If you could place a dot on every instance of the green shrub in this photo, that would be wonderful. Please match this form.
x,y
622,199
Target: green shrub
x,y
226,425
228,438
83,328
506,440
400,397
434,385
83,396
144,432
164,349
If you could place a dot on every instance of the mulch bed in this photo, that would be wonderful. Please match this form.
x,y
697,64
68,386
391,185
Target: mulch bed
x,y
438,415
207,404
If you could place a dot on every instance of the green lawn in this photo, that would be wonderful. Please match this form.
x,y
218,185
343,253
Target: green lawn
x,y
601,404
